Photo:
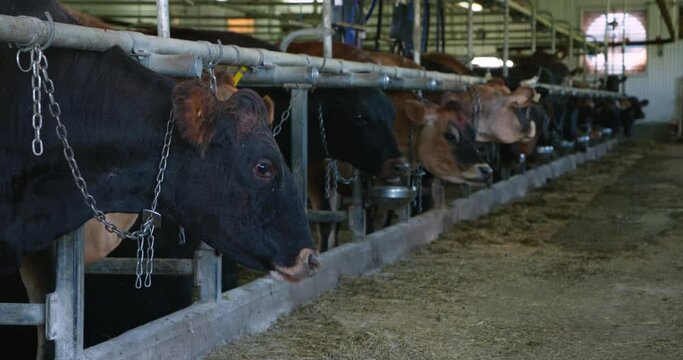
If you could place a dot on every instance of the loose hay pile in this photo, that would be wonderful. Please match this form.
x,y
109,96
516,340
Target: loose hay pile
x,y
498,287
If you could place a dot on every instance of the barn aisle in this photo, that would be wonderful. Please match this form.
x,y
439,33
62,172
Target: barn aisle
x,y
589,267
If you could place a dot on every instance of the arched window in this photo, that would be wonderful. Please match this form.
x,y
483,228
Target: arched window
x,y
635,57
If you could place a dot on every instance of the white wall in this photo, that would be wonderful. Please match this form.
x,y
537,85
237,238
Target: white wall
x,y
660,83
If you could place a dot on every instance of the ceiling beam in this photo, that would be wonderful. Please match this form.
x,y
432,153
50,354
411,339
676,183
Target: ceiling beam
x,y
666,15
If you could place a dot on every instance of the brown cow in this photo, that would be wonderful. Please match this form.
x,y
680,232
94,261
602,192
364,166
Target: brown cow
x,y
495,113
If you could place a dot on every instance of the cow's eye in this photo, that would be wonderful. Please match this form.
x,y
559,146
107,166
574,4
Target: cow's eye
x,y
450,137
263,169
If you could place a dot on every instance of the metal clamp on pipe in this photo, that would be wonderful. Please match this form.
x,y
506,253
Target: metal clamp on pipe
x,y
280,76
545,150
174,65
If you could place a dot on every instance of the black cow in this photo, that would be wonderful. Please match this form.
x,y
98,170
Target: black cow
x,y
226,180
358,121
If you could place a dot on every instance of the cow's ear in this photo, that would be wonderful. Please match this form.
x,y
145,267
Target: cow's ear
x,y
270,106
644,103
522,97
194,108
419,112
225,85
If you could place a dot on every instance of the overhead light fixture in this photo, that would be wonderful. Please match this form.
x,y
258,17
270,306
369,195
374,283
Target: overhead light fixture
x,y
490,62
476,7
221,0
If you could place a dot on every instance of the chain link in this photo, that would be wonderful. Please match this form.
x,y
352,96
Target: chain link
x,y
332,175
181,235
40,81
35,57
277,129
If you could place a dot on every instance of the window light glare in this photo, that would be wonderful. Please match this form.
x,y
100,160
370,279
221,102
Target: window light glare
x,y
476,7
490,62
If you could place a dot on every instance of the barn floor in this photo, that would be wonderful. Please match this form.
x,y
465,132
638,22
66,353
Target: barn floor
x,y
588,267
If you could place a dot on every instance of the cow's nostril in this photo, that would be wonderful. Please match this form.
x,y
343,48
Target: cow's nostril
x,y
313,262
486,171
399,166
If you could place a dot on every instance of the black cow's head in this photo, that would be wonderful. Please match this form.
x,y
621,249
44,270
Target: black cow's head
x,y
238,195
358,123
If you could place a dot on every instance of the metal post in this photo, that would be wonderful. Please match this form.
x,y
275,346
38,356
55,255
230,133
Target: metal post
x,y
417,30
571,47
357,223
553,35
506,37
534,35
64,307
438,194
470,35
163,23
585,54
207,273
327,26
623,47
607,9
299,99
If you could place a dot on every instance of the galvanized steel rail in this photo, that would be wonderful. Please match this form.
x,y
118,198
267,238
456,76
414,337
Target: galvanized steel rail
x,y
346,73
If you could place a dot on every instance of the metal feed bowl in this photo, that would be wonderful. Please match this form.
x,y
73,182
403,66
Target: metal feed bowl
x,y
390,197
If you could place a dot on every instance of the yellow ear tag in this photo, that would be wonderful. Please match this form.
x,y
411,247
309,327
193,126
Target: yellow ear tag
x,y
238,75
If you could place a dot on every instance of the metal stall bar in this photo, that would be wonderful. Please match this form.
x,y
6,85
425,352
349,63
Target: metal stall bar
x,y
563,90
470,35
595,57
163,23
21,30
534,34
553,30
327,26
417,30
299,100
607,10
506,38
623,46
570,30
515,6
207,273
22,314
64,307
126,266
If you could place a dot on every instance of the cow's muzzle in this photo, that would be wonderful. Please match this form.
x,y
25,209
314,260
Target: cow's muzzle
x,y
393,169
306,265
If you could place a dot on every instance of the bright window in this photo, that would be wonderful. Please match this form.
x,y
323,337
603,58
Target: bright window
x,y
635,57
241,25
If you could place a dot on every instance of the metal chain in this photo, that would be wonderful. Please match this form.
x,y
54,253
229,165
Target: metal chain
x,y
211,66
476,105
277,129
34,67
416,181
181,235
332,175
39,66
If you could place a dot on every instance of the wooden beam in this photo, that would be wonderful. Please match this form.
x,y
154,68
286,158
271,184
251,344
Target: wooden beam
x,y
666,15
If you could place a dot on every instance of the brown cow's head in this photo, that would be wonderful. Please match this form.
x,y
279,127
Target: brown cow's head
x,y
497,117
446,145
239,196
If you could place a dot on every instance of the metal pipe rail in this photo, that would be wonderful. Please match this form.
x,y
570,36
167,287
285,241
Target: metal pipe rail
x,y
564,90
528,12
23,30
